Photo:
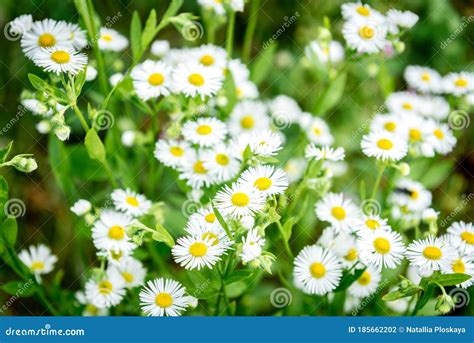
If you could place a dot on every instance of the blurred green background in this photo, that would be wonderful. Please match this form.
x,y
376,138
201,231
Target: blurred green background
x,y
47,219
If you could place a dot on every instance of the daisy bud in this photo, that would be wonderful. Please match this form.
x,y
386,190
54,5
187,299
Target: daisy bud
x,y
43,127
62,132
429,215
399,47
324,35
403,168
89,219
222,101
24,164
444,304
81,207
128,138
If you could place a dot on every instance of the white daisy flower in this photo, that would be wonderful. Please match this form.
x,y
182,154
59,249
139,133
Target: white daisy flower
x,y
462,235
205,218
403,103
332,52
403,19
411,194
209,231
109,232
383,146
248,117
106,292
81,207
160,48
193,252
358,10
324,153
38,259
318,131
163,297
130,270
221,163
381,248
47,33
128,138
265,143
239,200
423,79
90,310
252,245
343,245
210,55
435,107
205,132
60,60
130,202
195,172
366,284
294,169
77,36
429,215
115,257
266,179
36,107
458,83
317,270
116,79
21,24
91,73
389,122
151,79
173,153
430,254
337,210
238,69
245,89
111,40
463,264
372,222
194,79
284,111
365,35
215,5
441,138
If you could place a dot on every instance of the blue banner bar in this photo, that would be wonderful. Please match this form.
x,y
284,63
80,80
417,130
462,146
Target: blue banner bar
x,y
238,329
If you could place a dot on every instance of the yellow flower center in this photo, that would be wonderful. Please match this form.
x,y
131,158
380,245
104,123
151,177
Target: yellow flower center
x,y
128,277
222,159
204,129
132,201
156,79
210,218
247,122
37,265
317,270
366,32
364,279
240,199
317,131
46,40
198,249
338,212
414,195
425,77
92,309
116,256
432,253
196,80
60,57
164,300
458,267
207,60
407,106
351,255
439,134
199,168
211,236
385,144
116,232
107,37
381,245
263,183
415,135
461,83
390,126
363,11
468,237
176,151
372,224
105,287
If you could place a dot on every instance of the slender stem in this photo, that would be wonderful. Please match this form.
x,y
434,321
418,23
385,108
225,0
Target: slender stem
x,y
110,175
81,117
45,301
381,169
252,24
230,34
285,242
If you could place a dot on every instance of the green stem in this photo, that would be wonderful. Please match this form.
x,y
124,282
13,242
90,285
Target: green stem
x,y
81,117
230,34
285,242
110,175
45,301
254,6
381,169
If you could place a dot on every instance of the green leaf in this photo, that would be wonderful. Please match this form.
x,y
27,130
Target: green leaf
x,y
425,296
402,293
3,196
149,30
135,36
437,173
9,230
94,146
268,159
19,288
450,279
263,64
331,96
79,81
221,221
60,165
348,278
37,82
170,12
288,228
238,275
162,235
5,151
247,155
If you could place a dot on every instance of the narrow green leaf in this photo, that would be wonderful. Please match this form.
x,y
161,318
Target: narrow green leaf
x,y
94,146
149,30
9,230
263,64
348,279
331,96
5,151
425,296
171,11
288,227
19,288
238,275
162,235
450,279
37,82
60,165
135,36
221,221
